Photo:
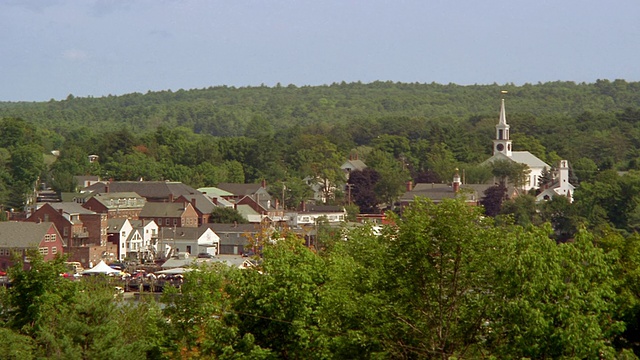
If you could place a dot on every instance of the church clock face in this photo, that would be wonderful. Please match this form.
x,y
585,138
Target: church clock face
x,y
499,147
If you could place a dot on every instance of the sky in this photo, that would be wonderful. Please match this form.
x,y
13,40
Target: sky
x,y
53,48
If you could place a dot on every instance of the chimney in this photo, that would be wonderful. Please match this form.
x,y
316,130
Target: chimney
x,y
409,185
171,198
106,188
264,184
456,182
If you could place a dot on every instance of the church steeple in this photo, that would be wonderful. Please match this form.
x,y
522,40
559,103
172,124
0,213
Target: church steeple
x,y
502,144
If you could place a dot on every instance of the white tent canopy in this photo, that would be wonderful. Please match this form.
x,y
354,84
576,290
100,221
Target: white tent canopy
x,y
101,268
175,271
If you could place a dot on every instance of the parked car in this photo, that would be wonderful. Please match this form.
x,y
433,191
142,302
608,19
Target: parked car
x,y
204,255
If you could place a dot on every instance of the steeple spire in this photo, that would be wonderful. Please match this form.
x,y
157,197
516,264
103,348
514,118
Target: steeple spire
x,y
502,144
503,115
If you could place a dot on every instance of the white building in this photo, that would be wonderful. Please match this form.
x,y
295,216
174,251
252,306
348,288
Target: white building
x,y
502,150
560,185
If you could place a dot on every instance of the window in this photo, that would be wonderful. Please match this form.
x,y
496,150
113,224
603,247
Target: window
x,y
5,252
175,221
53,237
54,250
47,238
166,222
44,250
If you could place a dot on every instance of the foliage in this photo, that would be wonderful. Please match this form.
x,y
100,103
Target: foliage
x,y
361,185
493,198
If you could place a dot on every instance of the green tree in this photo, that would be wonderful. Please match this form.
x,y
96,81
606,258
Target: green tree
x,y
278,305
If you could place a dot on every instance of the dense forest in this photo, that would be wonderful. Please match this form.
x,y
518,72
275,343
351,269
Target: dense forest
x,y
285,134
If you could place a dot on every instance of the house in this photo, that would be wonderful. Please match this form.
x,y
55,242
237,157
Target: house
x,y
116,204
234,238
560,184
472,193
192,240
159,191
85,181
78,226
502,150
118,231
258,192
83,231
310,216
253,201
352,164
148,230
202,204
21,236
170,214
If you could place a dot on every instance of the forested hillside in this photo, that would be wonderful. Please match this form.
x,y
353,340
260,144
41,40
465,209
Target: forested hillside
x,y
419,132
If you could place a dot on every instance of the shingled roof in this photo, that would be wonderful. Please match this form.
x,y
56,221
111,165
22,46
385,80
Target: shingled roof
x,y
22,235
157,191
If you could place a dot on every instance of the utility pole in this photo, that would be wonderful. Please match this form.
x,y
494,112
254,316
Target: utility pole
x,y
349,192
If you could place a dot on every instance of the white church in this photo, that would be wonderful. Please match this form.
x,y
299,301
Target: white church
x,y
502,150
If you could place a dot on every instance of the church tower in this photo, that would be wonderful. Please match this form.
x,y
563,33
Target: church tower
x,y
502,144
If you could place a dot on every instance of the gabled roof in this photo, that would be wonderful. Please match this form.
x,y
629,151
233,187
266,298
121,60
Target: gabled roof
x,y
240,189
72,208
354,164
439,192
115,225
105,199
214,192
246,210
182,232
157,209
22,234
525,157
141,223
147,189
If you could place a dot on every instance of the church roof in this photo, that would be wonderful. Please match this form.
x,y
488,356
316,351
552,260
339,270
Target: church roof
x,y
521,157
525,157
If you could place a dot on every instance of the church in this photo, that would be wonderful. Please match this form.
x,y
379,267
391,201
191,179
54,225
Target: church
x,y
502,150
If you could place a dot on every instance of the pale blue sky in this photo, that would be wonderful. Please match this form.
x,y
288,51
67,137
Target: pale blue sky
x,y
54,48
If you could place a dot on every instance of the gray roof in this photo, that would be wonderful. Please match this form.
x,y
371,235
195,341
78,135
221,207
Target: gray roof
x,y
232,228
182,232
525,157
176,263
521,157
104,199
140,223
240,189
354,164
158,209
22,234
439,192
114,225
72,208
157,190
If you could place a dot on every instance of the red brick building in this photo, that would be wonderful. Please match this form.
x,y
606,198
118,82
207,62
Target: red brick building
x,y
21,236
